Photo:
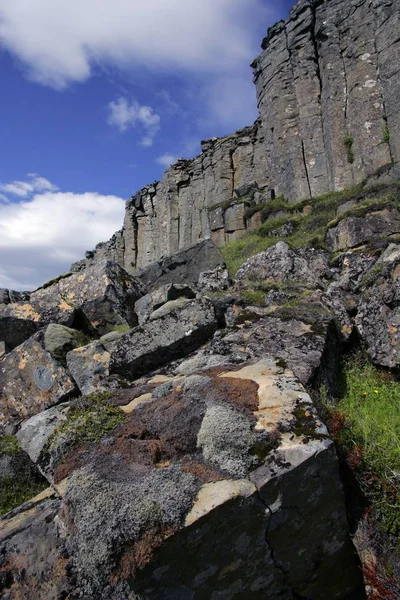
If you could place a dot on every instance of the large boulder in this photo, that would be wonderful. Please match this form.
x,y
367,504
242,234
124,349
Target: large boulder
x,y
31,381
103,296
147,304
219,485
177,327
353,231
183,267
283,264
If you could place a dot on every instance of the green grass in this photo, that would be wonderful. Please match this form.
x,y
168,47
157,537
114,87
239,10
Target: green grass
x,y
14,491
309,229
369,435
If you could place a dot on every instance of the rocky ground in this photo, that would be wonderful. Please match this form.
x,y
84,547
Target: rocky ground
x,y
169,420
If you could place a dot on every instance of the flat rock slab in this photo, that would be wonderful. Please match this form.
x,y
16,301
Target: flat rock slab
x,y
178,329
31,381
212,487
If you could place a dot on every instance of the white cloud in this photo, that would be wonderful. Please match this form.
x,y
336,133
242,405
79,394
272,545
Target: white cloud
x,y
40,237
22,189
59,42
124,114
166,160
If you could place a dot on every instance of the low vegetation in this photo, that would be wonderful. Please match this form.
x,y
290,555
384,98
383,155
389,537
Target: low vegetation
x,y
88,420
19,480
308,220
365,424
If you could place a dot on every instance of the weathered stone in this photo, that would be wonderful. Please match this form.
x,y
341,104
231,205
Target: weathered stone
x,y
58,340
234,218
378,317
183,267
354,231
155,299
35,432
33,562
217,280
31,381
175,330
18,322
283,264
232,445
3,349
104,294
11,296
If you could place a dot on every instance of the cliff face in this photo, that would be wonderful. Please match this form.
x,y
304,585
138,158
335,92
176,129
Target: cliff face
x,y
328,93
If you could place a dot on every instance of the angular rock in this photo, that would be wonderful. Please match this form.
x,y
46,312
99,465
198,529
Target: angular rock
x,y
240,457
281,263
155,299
354,231
18,322
217,280
184,267
11,296
378,317
36,431
59,340
3,349
33,562
31,382
103,294
180,328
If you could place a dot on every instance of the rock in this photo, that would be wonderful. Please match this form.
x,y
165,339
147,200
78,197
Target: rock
x,y
155,299
378,317
103,296
184,267
36,431
175,330
31,382
280,263
33,561
240,456
11,296
3,349
17,323
217,280
59,340
354,231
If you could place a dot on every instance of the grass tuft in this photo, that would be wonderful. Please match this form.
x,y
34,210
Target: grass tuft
x,y
366,425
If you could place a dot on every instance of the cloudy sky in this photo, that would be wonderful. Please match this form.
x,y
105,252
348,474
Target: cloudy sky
x,y
98,97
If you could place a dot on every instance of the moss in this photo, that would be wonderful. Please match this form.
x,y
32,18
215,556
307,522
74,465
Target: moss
x,y
306,423
254,297
122,328
88,420
9,445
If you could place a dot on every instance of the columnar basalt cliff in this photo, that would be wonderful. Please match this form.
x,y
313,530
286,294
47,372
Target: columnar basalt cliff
x,y
328,95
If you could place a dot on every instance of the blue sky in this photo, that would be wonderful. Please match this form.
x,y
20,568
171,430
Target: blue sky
x,y
98,97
